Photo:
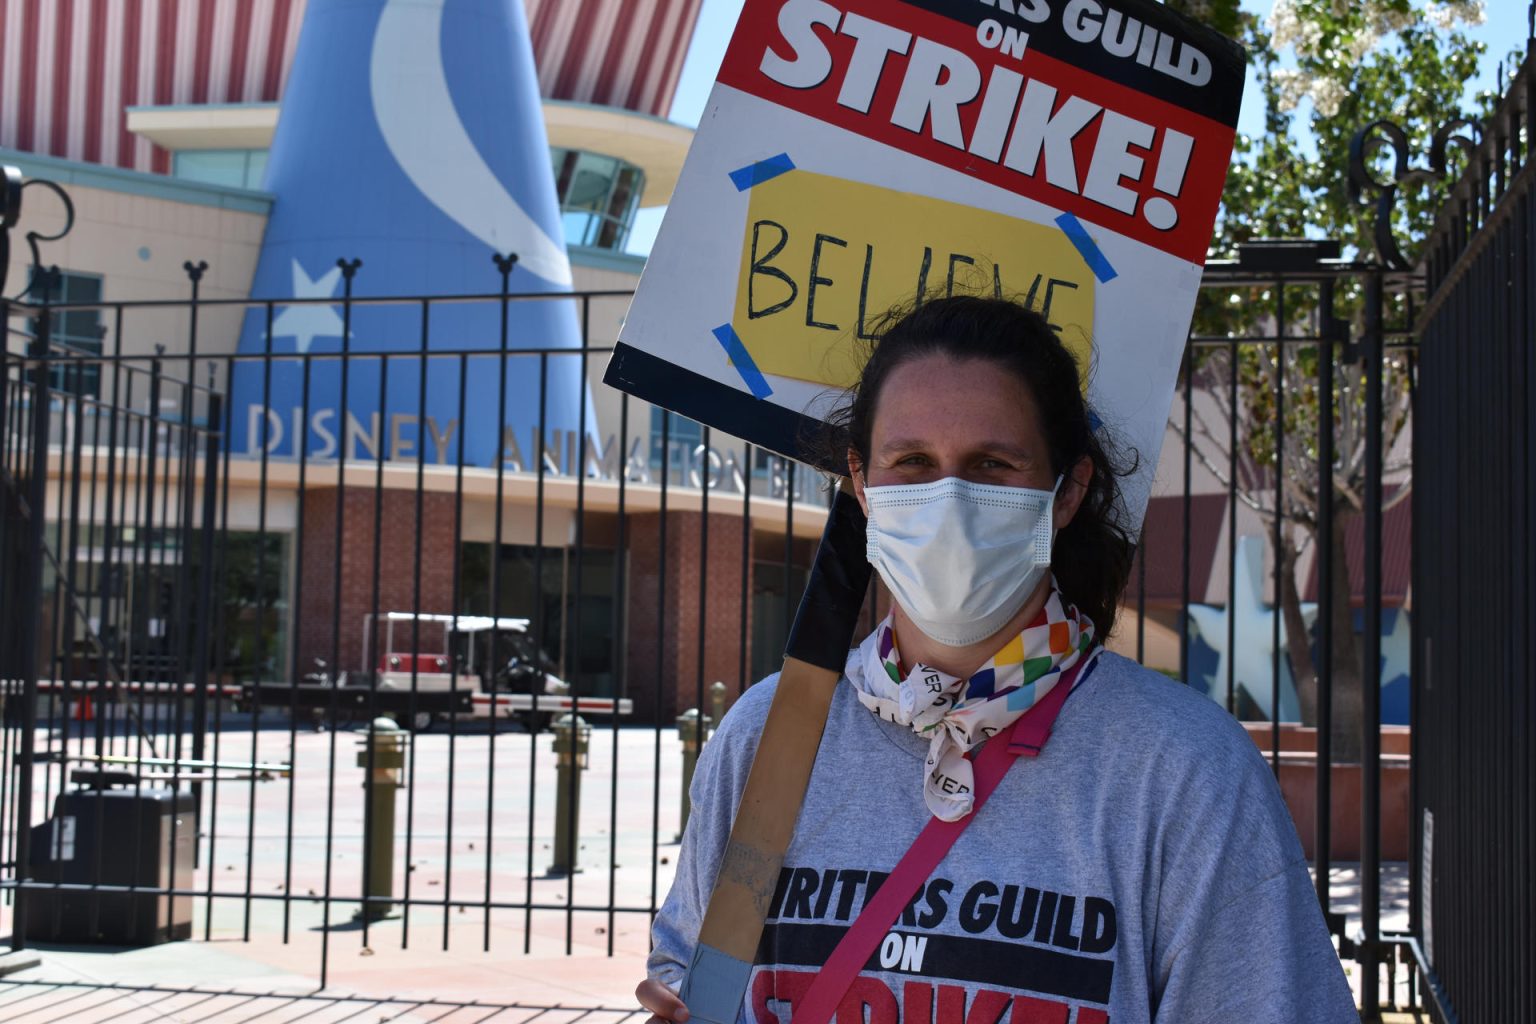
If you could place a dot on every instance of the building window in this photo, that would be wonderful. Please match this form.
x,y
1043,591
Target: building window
x,y
122,597
776,591
598,197
576,638
683,437
254,618
74,331
232,168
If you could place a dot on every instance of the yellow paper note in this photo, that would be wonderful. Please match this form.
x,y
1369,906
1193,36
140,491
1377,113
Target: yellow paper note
x,y
823,258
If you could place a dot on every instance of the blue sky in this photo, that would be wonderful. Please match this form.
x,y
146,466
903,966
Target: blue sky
x,y
1504,29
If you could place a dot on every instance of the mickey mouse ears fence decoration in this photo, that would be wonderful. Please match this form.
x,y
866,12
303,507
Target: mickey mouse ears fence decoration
x,y
1367,187
12,189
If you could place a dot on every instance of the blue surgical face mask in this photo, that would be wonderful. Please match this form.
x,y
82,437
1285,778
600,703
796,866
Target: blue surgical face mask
x,y
960,558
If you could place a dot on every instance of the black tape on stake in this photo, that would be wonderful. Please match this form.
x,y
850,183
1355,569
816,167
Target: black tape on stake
x,y
829,611
727,409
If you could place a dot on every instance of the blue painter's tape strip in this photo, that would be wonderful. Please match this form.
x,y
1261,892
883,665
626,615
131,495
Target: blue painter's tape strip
x,y
1078,236
742,360
763,170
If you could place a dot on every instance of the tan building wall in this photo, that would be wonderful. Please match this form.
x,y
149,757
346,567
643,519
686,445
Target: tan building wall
x,y
136,231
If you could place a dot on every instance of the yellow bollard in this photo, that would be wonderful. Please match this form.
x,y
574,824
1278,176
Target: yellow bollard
x,y
717,703
382,751
573,737
692,726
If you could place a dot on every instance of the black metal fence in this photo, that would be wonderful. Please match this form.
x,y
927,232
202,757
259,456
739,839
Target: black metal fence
x,y
219,559
198,603
1474,869
210,584
1307,423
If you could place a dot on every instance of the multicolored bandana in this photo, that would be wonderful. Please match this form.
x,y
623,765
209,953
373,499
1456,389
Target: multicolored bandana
x,y
957,714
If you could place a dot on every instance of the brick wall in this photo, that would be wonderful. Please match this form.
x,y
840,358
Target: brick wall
x,y
315,609
671,625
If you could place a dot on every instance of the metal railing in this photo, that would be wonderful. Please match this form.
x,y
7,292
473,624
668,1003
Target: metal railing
x,y
649,575
1474,856
183,583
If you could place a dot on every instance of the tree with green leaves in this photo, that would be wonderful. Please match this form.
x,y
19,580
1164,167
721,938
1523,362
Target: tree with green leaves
x,y
1325,69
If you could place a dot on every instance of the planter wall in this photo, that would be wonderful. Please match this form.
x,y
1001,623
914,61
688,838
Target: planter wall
x,y
1298,784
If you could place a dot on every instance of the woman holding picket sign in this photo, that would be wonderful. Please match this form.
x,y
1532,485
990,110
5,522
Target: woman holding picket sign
x,y
1133,860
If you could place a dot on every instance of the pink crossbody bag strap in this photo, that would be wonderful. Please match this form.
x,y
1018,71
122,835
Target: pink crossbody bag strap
x,y
1023,739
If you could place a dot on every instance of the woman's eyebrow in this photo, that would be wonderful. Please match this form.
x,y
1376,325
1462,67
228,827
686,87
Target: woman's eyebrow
x,y
903,445
1005,448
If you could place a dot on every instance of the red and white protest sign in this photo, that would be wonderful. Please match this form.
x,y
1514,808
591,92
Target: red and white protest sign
x,y
857,153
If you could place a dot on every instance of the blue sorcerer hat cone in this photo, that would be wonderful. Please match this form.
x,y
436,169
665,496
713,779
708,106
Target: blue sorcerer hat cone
x,y
411,137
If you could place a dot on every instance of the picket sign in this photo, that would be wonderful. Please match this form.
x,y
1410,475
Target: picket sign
x,y
855,154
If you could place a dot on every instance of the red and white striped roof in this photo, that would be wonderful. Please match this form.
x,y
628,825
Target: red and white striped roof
x,y
628,55
69,68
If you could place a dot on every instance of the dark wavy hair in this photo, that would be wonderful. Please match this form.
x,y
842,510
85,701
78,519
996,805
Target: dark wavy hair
x,y
1092,556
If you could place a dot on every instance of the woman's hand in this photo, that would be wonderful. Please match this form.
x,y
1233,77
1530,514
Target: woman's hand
x,y
662,1002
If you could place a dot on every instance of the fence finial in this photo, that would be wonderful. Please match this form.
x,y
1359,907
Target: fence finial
x,y
1365,186
11,190
10,212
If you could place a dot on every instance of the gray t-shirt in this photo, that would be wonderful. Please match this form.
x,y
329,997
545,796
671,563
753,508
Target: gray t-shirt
x,y
1143,867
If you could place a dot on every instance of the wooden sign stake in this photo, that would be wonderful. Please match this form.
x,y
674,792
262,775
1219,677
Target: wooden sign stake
x,y
814,660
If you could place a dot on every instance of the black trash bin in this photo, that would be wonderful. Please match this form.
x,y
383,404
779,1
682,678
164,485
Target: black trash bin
x,y
113,831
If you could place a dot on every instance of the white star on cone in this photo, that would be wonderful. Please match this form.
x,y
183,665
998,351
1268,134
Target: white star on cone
x,y
306,323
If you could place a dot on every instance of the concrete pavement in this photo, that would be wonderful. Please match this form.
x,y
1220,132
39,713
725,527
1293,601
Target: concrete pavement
x,y
474,842
481,814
